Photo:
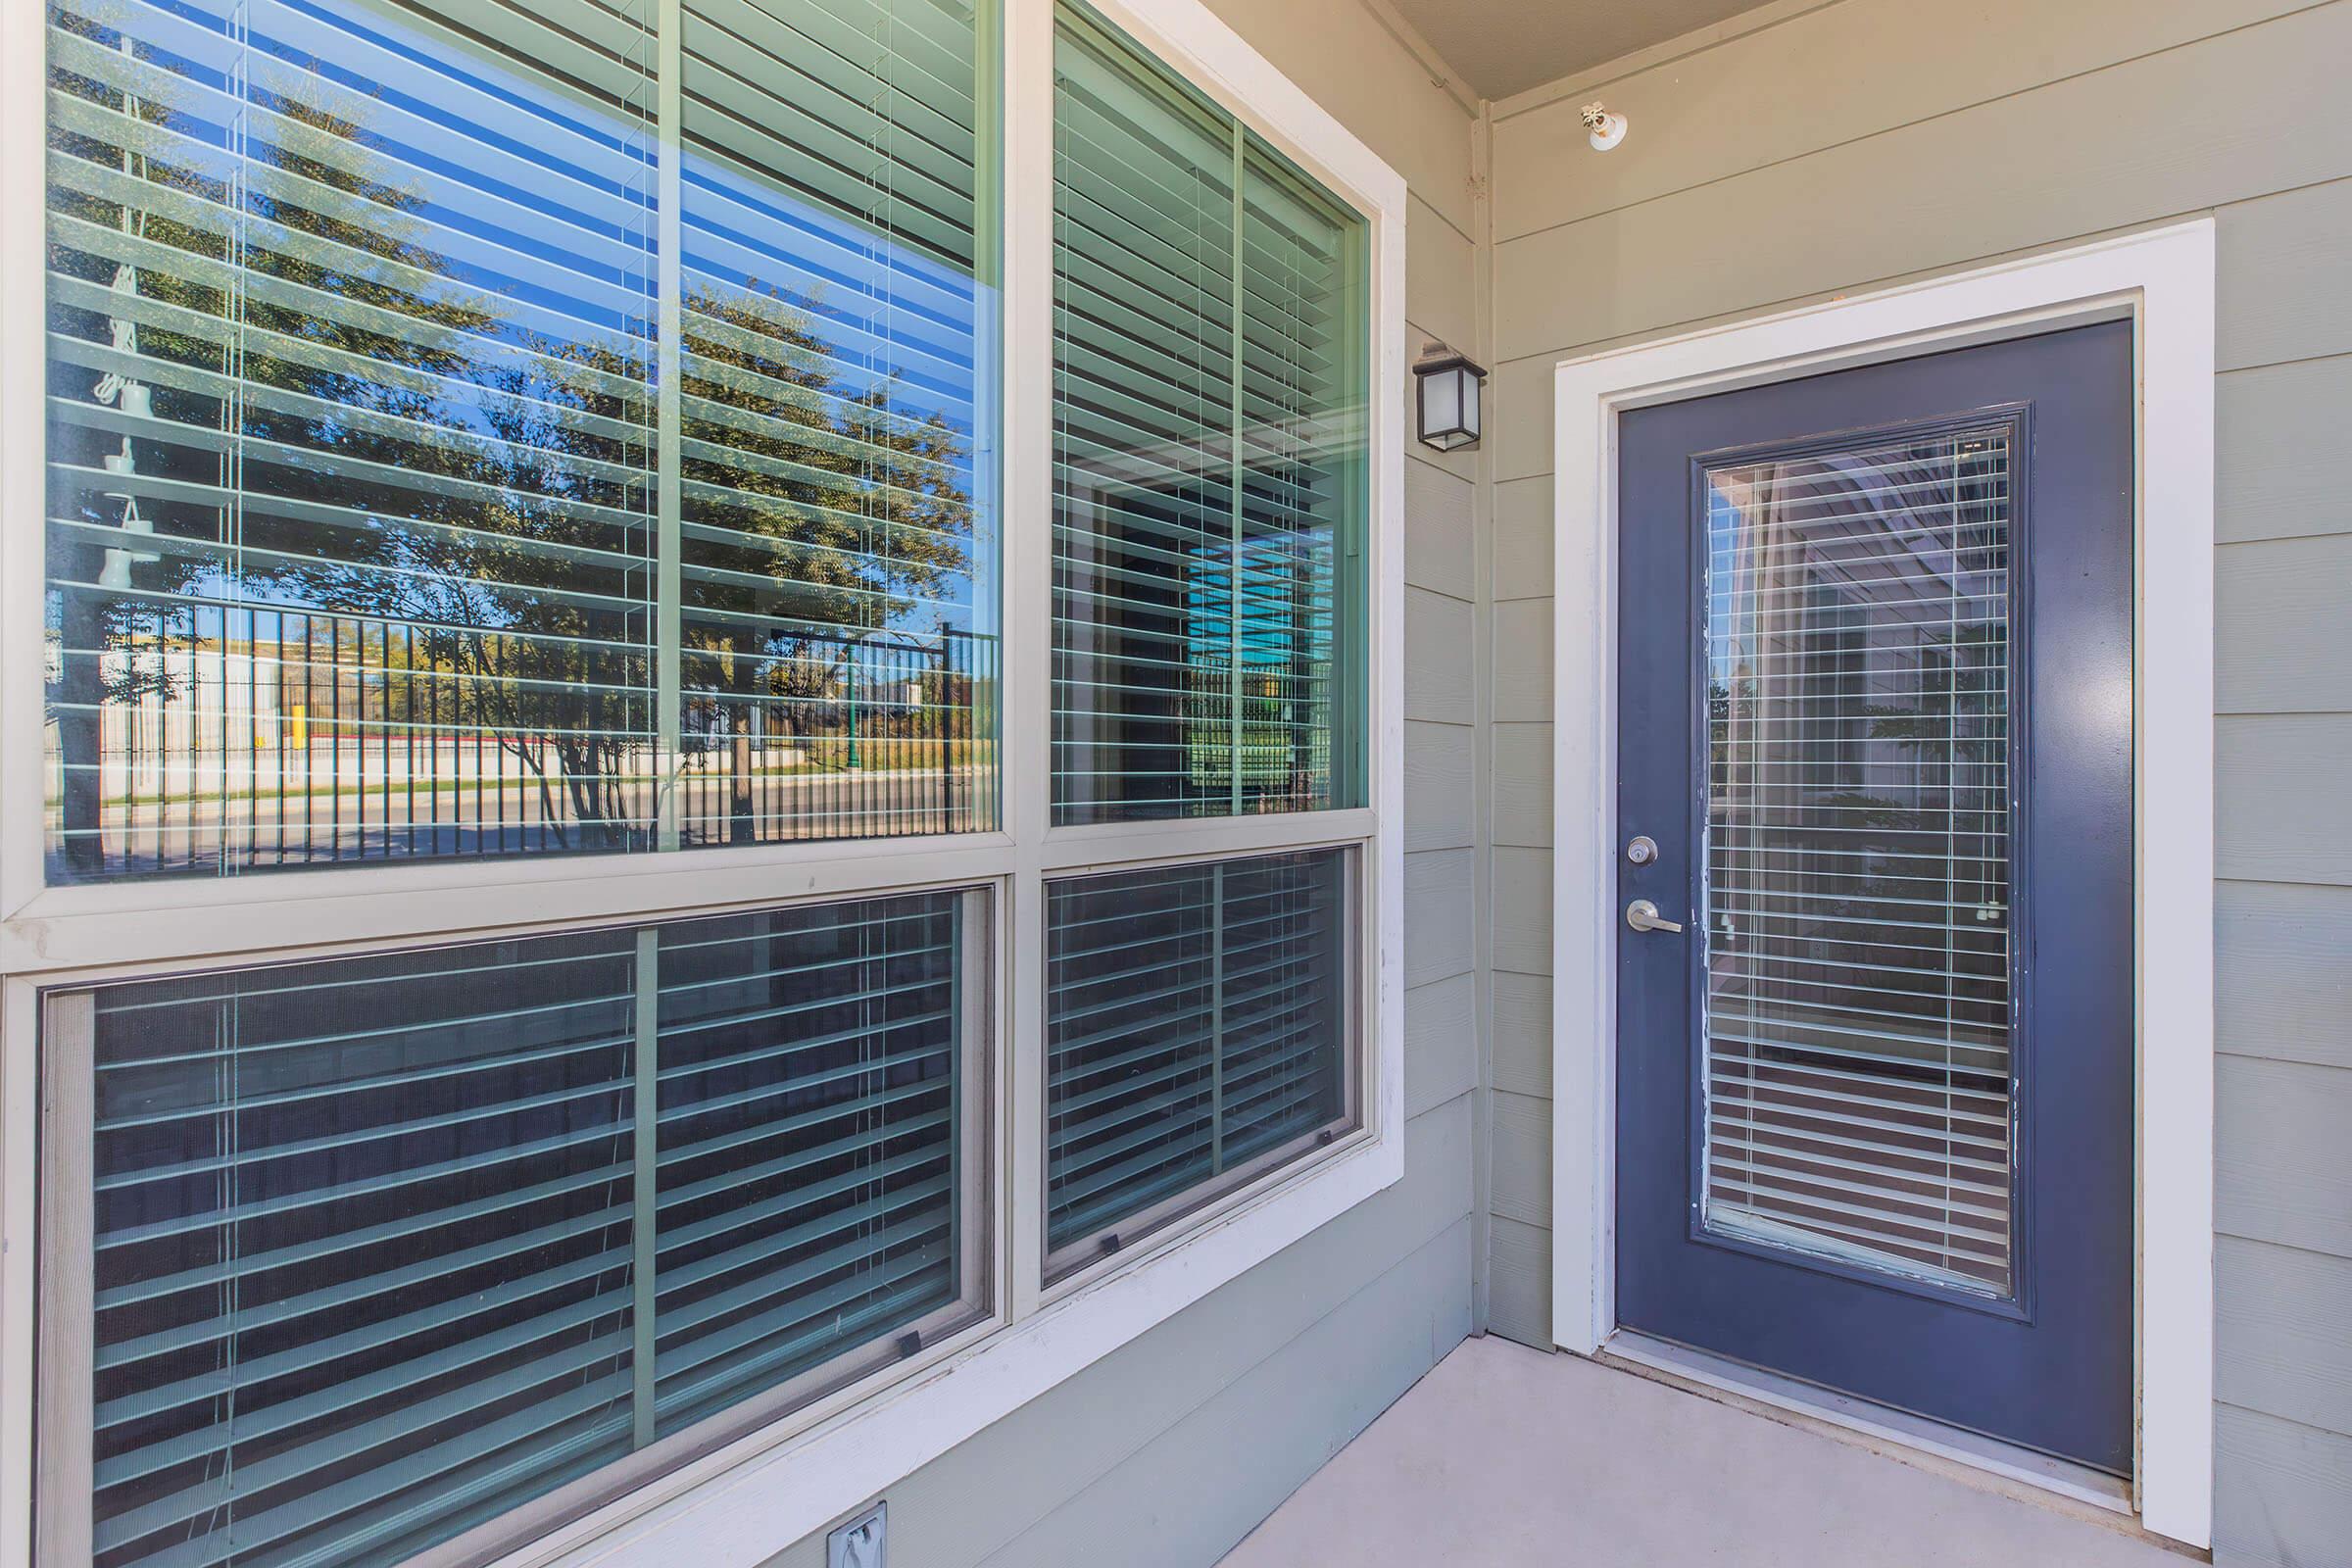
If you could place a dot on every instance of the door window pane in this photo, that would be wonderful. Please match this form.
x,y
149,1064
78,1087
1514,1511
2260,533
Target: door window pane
x,y
377,1252
373,532
1197,1029
1858,1072
1210,334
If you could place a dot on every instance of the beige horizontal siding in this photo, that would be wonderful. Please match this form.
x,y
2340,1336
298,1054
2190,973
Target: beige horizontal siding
x,y
1826,153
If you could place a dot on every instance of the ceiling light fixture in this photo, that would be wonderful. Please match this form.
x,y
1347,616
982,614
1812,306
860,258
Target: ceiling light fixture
x,y
1607,128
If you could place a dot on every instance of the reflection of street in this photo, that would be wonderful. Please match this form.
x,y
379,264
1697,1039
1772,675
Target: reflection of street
x,y
421,817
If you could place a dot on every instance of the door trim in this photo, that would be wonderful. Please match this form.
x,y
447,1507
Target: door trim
x,y
2161,281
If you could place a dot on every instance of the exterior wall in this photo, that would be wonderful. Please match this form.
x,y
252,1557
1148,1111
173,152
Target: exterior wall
x,y
1172,1448
1818,150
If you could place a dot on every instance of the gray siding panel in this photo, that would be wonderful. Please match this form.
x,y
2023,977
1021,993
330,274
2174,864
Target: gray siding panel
x,y
1438,528
2284,1172
1840,165
1438,673
1523,909
1523,660
2106,149
1523,785
2284,625
2283,971
1520,1020
1439,803
2282,1343
1519,1282
2282,276
1205,1483
1838,74
969,1502
2285,1499
2274,430
1522,1145
1523,538
2283,812
1437,900
1440,1042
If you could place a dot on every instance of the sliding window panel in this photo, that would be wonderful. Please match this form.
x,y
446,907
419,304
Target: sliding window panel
x,y
1200,1032
351,469
385,521
380,1253
1212,346
1143,459
836,387
812,1142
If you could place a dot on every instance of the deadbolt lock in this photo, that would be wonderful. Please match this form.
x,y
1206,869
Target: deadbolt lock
x,y
1642,851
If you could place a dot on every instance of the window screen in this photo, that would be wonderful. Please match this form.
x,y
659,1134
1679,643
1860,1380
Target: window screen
x,y
387,519
380,1247
1210,334
1197,1029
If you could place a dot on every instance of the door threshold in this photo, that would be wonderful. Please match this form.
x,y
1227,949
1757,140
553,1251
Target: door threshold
x,y
1900,1433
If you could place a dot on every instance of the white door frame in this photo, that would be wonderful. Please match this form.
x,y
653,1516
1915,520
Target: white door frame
x,y
2161,281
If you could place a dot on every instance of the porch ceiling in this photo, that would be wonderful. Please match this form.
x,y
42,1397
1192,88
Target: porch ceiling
x,y
1505,46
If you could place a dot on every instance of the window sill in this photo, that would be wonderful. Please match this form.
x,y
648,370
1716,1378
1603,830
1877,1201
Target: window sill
x,y
741,1505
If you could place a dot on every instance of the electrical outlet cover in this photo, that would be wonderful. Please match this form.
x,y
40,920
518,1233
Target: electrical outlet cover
x,y
859,1543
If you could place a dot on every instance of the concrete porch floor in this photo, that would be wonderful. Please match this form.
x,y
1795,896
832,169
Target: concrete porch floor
x,y
1505,1457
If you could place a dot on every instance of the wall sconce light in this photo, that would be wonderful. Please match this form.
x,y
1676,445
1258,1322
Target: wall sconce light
x,y
1447,385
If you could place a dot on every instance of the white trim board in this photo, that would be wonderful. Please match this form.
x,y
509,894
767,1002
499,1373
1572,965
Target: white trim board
x,y
2163,281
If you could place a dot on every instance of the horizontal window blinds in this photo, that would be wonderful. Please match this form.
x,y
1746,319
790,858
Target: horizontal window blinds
x,y
379,1255
385,519
1858,1072
1198,1019
1211,336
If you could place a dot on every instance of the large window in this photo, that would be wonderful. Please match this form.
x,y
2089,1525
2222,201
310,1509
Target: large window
x,y
362,1276
1210,344
450,457
923,454
1198,1019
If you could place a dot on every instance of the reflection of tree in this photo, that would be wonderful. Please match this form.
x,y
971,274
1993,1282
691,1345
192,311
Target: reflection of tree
x,y
810,513
377,434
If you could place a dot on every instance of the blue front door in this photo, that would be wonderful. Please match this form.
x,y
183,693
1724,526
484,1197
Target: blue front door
x,y
1875,696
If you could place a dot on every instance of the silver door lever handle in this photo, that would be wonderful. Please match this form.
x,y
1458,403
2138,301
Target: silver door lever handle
x,y
1642,916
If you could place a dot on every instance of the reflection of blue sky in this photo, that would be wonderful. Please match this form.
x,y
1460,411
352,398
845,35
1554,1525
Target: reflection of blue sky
x,y
1728,634
536,202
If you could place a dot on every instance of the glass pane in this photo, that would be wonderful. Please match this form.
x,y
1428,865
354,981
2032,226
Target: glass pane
x,y
368,1233
839,555
1210,334
1196,1027
1859,1076
366,539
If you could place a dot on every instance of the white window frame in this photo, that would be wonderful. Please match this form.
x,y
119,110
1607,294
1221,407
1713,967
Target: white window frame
x,y
2162,281
745,1501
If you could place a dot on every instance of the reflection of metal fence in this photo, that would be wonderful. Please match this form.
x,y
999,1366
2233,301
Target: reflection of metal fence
x,y
301,737
840,736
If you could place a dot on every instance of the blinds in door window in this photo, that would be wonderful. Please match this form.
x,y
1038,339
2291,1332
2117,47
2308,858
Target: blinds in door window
x,y
1858,1070
386,517
1210,334
1198,1019
378,1252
